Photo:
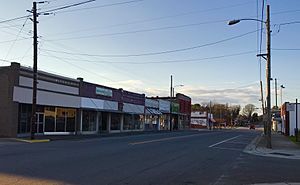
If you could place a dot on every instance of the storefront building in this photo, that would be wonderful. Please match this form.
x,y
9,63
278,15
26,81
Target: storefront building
x,y
133,105
65,106
164,119
185,108
57,102
152,114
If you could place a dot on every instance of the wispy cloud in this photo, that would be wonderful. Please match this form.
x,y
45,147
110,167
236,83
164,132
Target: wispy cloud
x,y
241,95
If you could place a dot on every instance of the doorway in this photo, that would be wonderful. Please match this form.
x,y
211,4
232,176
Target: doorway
x,y
39,122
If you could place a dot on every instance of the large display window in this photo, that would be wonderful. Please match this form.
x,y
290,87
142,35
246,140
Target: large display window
x,y
133,122
115,121
89,121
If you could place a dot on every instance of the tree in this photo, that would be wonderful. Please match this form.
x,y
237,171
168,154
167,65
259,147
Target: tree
x,y
248,110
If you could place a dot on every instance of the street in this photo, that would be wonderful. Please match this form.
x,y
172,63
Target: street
x,y
185,157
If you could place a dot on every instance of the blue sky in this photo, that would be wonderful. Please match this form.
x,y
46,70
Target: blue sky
x,y
153,26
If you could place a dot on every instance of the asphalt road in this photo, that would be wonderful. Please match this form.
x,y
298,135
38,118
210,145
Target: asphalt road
x,y
178,158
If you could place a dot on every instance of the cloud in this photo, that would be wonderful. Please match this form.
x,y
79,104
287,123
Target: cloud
x,y
200,94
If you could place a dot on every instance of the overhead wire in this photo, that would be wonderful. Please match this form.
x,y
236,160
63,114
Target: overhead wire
x,y
138,31
160,52
81,68
162,61
17,37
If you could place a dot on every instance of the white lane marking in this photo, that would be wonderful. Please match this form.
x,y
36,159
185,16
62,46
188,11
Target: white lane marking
x,y
167,139
234,149
224,141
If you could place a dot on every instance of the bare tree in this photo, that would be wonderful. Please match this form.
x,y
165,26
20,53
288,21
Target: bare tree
x,y
248,110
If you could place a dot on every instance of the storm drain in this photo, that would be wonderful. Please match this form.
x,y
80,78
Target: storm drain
x,y
283,154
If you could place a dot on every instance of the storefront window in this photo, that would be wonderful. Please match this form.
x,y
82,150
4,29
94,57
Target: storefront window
x,y
133,122
164,122
24,115
50,119
89,120
115,121
65,120
151,122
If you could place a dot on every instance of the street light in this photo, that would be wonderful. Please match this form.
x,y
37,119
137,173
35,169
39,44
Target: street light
x,y
266,56
281,87
180,85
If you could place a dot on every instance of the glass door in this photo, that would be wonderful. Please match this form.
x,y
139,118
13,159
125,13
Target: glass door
x,y
39,122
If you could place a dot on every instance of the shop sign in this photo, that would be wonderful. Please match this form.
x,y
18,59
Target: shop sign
x,y
175,107
103,91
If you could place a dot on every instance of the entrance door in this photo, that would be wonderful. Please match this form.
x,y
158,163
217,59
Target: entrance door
x,y
39,122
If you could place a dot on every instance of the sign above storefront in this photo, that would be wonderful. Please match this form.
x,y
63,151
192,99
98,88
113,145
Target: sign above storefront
x,y
103,91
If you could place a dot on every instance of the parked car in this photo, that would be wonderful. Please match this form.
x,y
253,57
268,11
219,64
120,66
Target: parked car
x,y
252,126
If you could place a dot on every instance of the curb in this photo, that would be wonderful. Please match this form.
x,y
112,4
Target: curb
x,y
33,141
253,149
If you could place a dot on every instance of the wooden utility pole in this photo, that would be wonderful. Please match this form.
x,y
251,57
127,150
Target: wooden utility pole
x,y
268,76
34,85
276,93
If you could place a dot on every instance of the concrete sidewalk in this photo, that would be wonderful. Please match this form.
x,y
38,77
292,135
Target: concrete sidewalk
x,y
282,147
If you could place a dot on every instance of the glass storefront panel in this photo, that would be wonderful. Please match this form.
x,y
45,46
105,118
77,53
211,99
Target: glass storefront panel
x,y
48,119
164,122
151,122
115,121
50,116
60,120
133,122
104,121
24,118
71,117
89,120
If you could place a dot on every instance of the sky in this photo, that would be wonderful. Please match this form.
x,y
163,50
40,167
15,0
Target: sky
x,y
138,44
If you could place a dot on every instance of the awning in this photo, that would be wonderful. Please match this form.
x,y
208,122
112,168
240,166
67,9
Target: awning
x,y
153,111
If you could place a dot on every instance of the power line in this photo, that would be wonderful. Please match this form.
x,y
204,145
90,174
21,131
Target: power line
x,y
11,46
138,31
14,19
286,49
81,68
261,32
165,17
102,6
14,40
157,53
65,7
163,61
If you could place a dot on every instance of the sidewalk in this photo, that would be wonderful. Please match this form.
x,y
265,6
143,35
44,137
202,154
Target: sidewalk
x,y
282,147
47,138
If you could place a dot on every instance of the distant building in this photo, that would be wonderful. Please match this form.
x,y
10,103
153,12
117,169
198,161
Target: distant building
x,y
200,120
176,112
288,116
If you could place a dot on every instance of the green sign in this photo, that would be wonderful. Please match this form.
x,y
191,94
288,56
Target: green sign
x,y
103,91
174,107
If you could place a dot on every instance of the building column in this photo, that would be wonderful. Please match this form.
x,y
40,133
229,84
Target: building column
x,y
158,122
81,113
97,122
108,122
121,122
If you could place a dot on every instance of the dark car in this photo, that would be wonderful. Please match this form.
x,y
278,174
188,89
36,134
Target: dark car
x,y
252,126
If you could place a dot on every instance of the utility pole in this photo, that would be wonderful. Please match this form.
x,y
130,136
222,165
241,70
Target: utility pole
x,y
171,88
276,93
268,76
171,95
34,85
296,131
35,55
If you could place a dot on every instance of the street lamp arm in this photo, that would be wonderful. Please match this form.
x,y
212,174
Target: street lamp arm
x,y
235,21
